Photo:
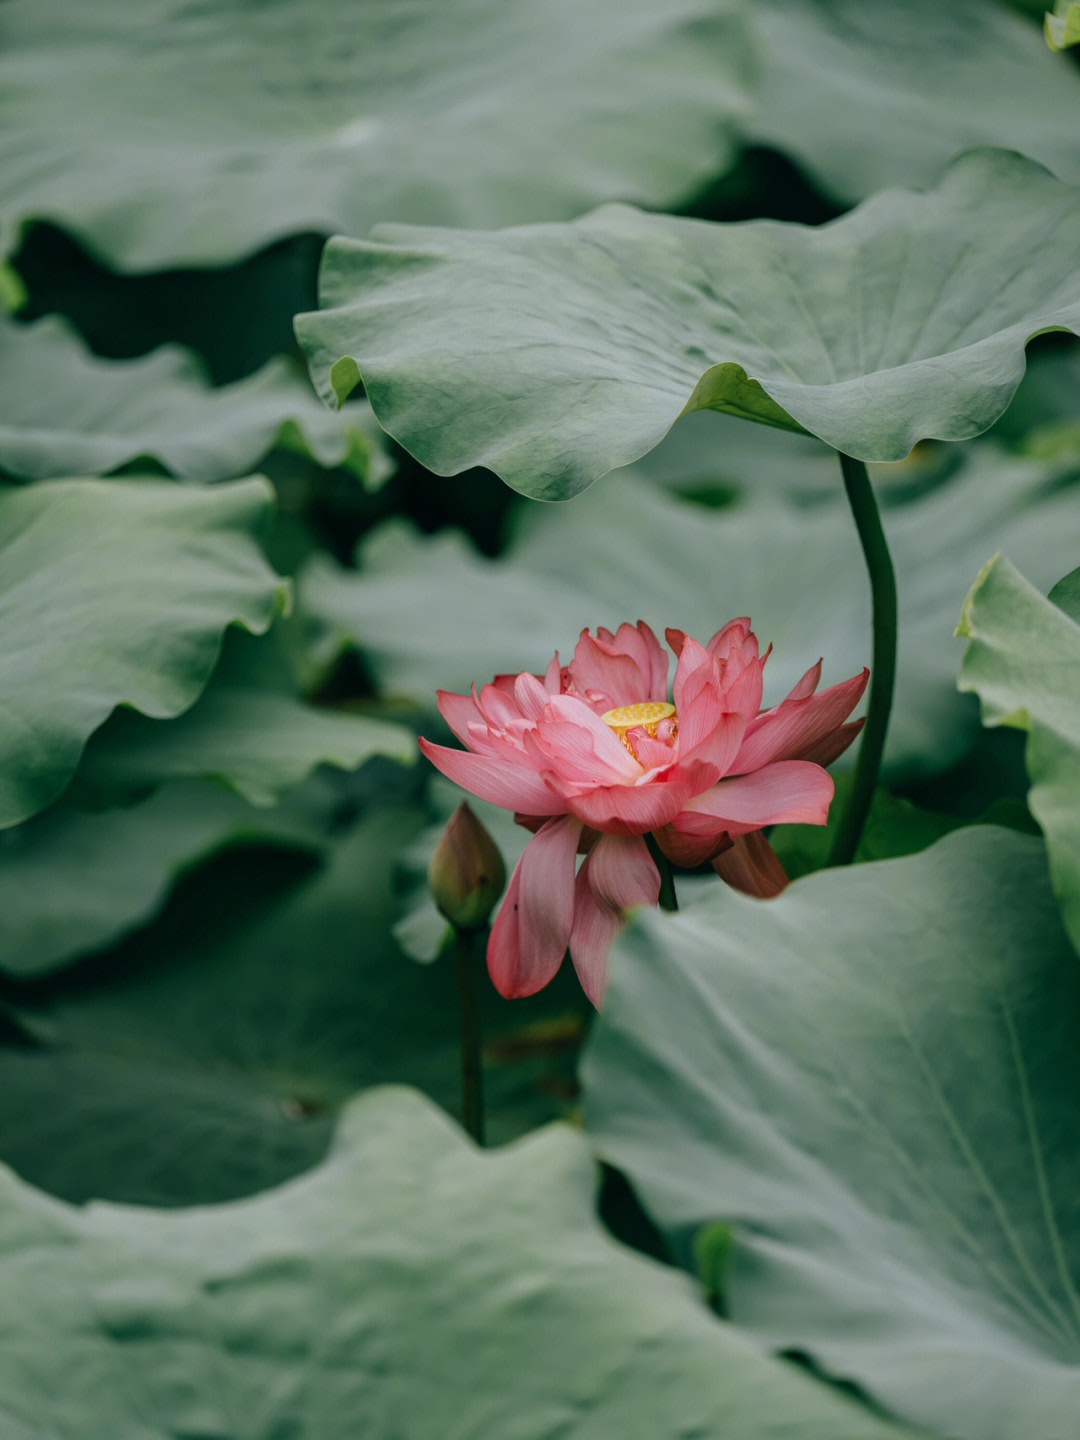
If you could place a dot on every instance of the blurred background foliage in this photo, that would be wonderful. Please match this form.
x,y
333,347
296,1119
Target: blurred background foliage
x,y
215,929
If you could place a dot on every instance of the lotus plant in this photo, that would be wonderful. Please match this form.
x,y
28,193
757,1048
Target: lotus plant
x,y
597,761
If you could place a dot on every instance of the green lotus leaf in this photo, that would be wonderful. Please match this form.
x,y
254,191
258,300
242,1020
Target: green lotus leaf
x,y
863,97
552,354
208,1055
429,613
74,881
166,136
1023,661
873,1082
199,136
248,729
296,1311
111,593
1062,27
66,412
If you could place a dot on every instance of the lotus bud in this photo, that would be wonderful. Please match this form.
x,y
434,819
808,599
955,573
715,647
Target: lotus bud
x,y
466,875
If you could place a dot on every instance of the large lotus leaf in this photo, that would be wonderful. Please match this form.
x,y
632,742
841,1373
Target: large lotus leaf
x,y
409,1287
115,593
74,881
868,96
65,412
249,729
430,614
554,353
1024,664
873,1081
208,1055
176,134
166,134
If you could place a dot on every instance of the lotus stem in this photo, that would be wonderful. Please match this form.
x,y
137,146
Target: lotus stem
x,y
466,946
883,665
667,875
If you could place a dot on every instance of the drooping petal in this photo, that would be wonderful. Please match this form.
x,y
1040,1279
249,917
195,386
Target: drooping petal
x,y
532,929
595,928
622,873
618,873
513,784
790,791
688,851
797,726
750,865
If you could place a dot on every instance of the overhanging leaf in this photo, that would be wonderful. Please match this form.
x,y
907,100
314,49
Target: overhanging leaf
x,y
873,1081
431,614
297,1311
115,593
1024,664
66,412
552,354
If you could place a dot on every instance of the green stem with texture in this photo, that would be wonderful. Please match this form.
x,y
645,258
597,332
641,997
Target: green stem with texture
x,y
667,875
467,944
883,666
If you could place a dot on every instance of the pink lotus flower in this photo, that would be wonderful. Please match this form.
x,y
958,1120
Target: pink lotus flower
x,y
593,757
